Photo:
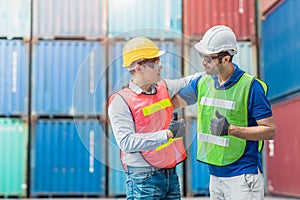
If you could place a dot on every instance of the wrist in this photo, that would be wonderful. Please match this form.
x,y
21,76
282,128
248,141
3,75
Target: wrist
x,y
169,134
231,130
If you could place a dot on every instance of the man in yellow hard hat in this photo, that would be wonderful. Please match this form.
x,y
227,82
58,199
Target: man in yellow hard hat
x,y
150,140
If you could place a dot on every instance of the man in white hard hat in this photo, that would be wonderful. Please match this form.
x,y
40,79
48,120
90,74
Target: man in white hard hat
x,y
234,117
150,140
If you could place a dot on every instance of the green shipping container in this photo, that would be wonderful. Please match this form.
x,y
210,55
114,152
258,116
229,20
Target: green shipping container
x,y
13,157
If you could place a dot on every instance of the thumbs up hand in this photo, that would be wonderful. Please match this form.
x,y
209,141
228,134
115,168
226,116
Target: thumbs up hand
x,y
219,126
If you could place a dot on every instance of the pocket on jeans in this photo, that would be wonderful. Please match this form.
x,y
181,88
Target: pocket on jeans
x,y
139,177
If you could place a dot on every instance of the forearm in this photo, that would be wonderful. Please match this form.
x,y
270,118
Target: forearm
x,y
265,130
135,142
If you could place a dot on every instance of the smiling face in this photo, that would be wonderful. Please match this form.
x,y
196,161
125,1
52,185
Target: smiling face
x,y
213,63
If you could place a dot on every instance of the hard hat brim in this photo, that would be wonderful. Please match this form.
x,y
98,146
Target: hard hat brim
x,y
160,53
198,46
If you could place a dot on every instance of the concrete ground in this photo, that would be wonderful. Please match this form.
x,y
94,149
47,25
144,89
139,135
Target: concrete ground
x,y
184,198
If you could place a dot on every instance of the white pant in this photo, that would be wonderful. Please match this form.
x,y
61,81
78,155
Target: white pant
x,y
243,187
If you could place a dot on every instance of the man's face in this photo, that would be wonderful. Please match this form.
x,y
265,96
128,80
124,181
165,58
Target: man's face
x,y
210,63
151,70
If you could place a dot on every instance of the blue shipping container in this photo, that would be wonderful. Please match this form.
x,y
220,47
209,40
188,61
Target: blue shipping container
x,y
15,18
119,75
13,77
197,172
116,174
69,18
152,18
68,78
280,49
68,158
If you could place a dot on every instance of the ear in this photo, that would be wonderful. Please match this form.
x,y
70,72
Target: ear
x,y
138,67
226,58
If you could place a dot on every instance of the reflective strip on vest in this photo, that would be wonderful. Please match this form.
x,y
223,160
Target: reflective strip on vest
x,y
156,107
213,139
170,141
220,103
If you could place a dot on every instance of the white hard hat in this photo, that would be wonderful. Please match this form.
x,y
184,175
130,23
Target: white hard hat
x,y
218,39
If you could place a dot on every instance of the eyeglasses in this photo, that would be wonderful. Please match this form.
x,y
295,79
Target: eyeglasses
x,y
154,63
208,59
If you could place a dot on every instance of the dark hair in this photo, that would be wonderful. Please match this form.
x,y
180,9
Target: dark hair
x,y
225,53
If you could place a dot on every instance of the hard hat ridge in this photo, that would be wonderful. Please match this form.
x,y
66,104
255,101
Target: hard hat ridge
x,y
139,48
217,39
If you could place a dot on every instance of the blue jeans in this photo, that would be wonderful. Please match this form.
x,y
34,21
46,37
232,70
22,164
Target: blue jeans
x,y
150,183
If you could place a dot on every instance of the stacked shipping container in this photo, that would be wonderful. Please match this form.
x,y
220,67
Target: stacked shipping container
x,y
280,51
76,44
14,34
68,62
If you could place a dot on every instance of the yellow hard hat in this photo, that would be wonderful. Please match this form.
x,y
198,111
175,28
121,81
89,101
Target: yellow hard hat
x,y
139,48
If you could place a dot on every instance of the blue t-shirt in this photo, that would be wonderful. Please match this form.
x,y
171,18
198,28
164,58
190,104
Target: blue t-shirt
x,y
258,108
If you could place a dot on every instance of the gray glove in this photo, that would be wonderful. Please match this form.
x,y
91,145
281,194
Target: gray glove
x,y
219,126
177,126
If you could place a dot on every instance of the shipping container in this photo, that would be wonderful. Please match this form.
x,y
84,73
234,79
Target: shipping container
x,y
279,50
119,75
283,152
152,18
68,158
13,153
15,18
267,6
199,16
246,59
116,174
69,18
197,182
68,79
14,77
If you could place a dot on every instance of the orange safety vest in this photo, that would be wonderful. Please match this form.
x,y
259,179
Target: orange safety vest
x,y
153,113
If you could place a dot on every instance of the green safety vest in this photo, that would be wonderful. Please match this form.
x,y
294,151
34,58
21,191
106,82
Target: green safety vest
x,y
231,102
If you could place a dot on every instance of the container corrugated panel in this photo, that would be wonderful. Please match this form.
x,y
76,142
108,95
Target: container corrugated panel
x,y
278,54
152,18
69,18
283,152
197,172
13,153
245,58
14,77
67,158
199,16
15,18
119,75
68,78
116,174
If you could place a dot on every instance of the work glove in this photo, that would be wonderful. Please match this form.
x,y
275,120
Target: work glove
x,y
219,126
177,126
